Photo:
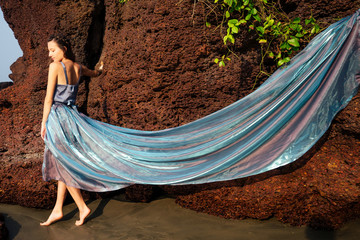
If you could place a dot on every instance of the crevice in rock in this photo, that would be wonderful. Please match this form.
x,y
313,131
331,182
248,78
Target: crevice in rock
x,y
94,42
5,104
288,6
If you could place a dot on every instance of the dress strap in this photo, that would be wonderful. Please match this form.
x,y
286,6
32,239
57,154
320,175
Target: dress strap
x,y
66,77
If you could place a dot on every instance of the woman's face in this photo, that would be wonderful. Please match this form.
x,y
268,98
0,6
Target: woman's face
x,y
55,52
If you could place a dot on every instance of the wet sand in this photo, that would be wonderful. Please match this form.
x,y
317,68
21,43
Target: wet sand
x,y
160,219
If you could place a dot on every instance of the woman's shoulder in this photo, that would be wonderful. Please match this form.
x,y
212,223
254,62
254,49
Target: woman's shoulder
x,y
54,66
77,65
68,65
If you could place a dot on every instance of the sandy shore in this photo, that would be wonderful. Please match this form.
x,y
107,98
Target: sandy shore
x,y
160,219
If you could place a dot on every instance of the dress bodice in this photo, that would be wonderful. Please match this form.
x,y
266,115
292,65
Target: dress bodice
x,y
66,94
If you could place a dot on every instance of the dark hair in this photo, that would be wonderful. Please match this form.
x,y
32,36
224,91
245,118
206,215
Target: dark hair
x,y
64,44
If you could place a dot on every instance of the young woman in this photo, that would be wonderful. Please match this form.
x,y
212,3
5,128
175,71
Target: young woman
x,y
63,80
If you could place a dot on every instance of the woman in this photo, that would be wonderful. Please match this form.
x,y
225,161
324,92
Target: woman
x,y
63,79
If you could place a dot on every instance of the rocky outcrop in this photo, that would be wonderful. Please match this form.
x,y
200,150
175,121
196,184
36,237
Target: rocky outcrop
x,y
159,73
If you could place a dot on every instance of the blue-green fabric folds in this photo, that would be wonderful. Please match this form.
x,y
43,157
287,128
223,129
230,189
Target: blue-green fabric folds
x,y
271,127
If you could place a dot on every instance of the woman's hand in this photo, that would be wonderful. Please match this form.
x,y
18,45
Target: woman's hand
x,y
93,73
100,68
43,130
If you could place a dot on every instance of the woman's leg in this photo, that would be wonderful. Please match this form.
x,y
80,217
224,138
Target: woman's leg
x,y
84,211
57,213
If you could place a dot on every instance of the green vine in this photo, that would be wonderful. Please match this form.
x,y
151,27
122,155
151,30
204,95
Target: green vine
x,y
278,35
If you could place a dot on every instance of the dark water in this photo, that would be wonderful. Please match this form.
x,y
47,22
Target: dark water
x,y
161,219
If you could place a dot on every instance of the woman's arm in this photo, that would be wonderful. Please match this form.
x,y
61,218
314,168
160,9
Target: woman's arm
x,y
91,73
51,85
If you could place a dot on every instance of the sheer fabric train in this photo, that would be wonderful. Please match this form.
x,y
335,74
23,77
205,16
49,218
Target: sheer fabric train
x,y
273,126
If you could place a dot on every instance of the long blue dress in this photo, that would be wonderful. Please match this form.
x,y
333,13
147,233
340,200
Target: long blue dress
x,y
269,128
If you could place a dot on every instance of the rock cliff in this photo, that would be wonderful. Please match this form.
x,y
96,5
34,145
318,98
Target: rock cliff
x,y
159,73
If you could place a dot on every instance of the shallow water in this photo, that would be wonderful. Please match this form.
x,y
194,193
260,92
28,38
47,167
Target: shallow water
x,y
160,219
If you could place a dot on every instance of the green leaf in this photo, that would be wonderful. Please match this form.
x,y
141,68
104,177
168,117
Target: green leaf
x,y
313,30
208,24
294,42
216,1
235,30
232,22
299,35
241,21
247,18
216,60
293,26
296,20
232,39
284,46
221,64
261,41
257,18
278,56
265,1
225,39
254,11
271,55
227,14
271,22
310,20
280,62
246,2
283,61
275,33
261,30
317,28
299,28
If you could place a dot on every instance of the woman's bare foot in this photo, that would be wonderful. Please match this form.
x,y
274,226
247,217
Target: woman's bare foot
x,y
83,214
54,216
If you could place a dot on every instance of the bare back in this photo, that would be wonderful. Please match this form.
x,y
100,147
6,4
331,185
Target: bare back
x,y
72,71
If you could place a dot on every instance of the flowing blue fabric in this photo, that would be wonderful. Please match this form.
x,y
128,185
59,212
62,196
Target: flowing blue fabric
x,y
271,127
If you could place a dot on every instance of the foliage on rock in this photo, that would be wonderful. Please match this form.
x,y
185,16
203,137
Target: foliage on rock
x,y
278,35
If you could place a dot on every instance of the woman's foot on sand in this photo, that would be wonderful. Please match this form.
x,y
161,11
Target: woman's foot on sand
x,y
83,214
54,216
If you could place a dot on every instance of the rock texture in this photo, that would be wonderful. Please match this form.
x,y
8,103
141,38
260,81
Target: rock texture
x,y
159,73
